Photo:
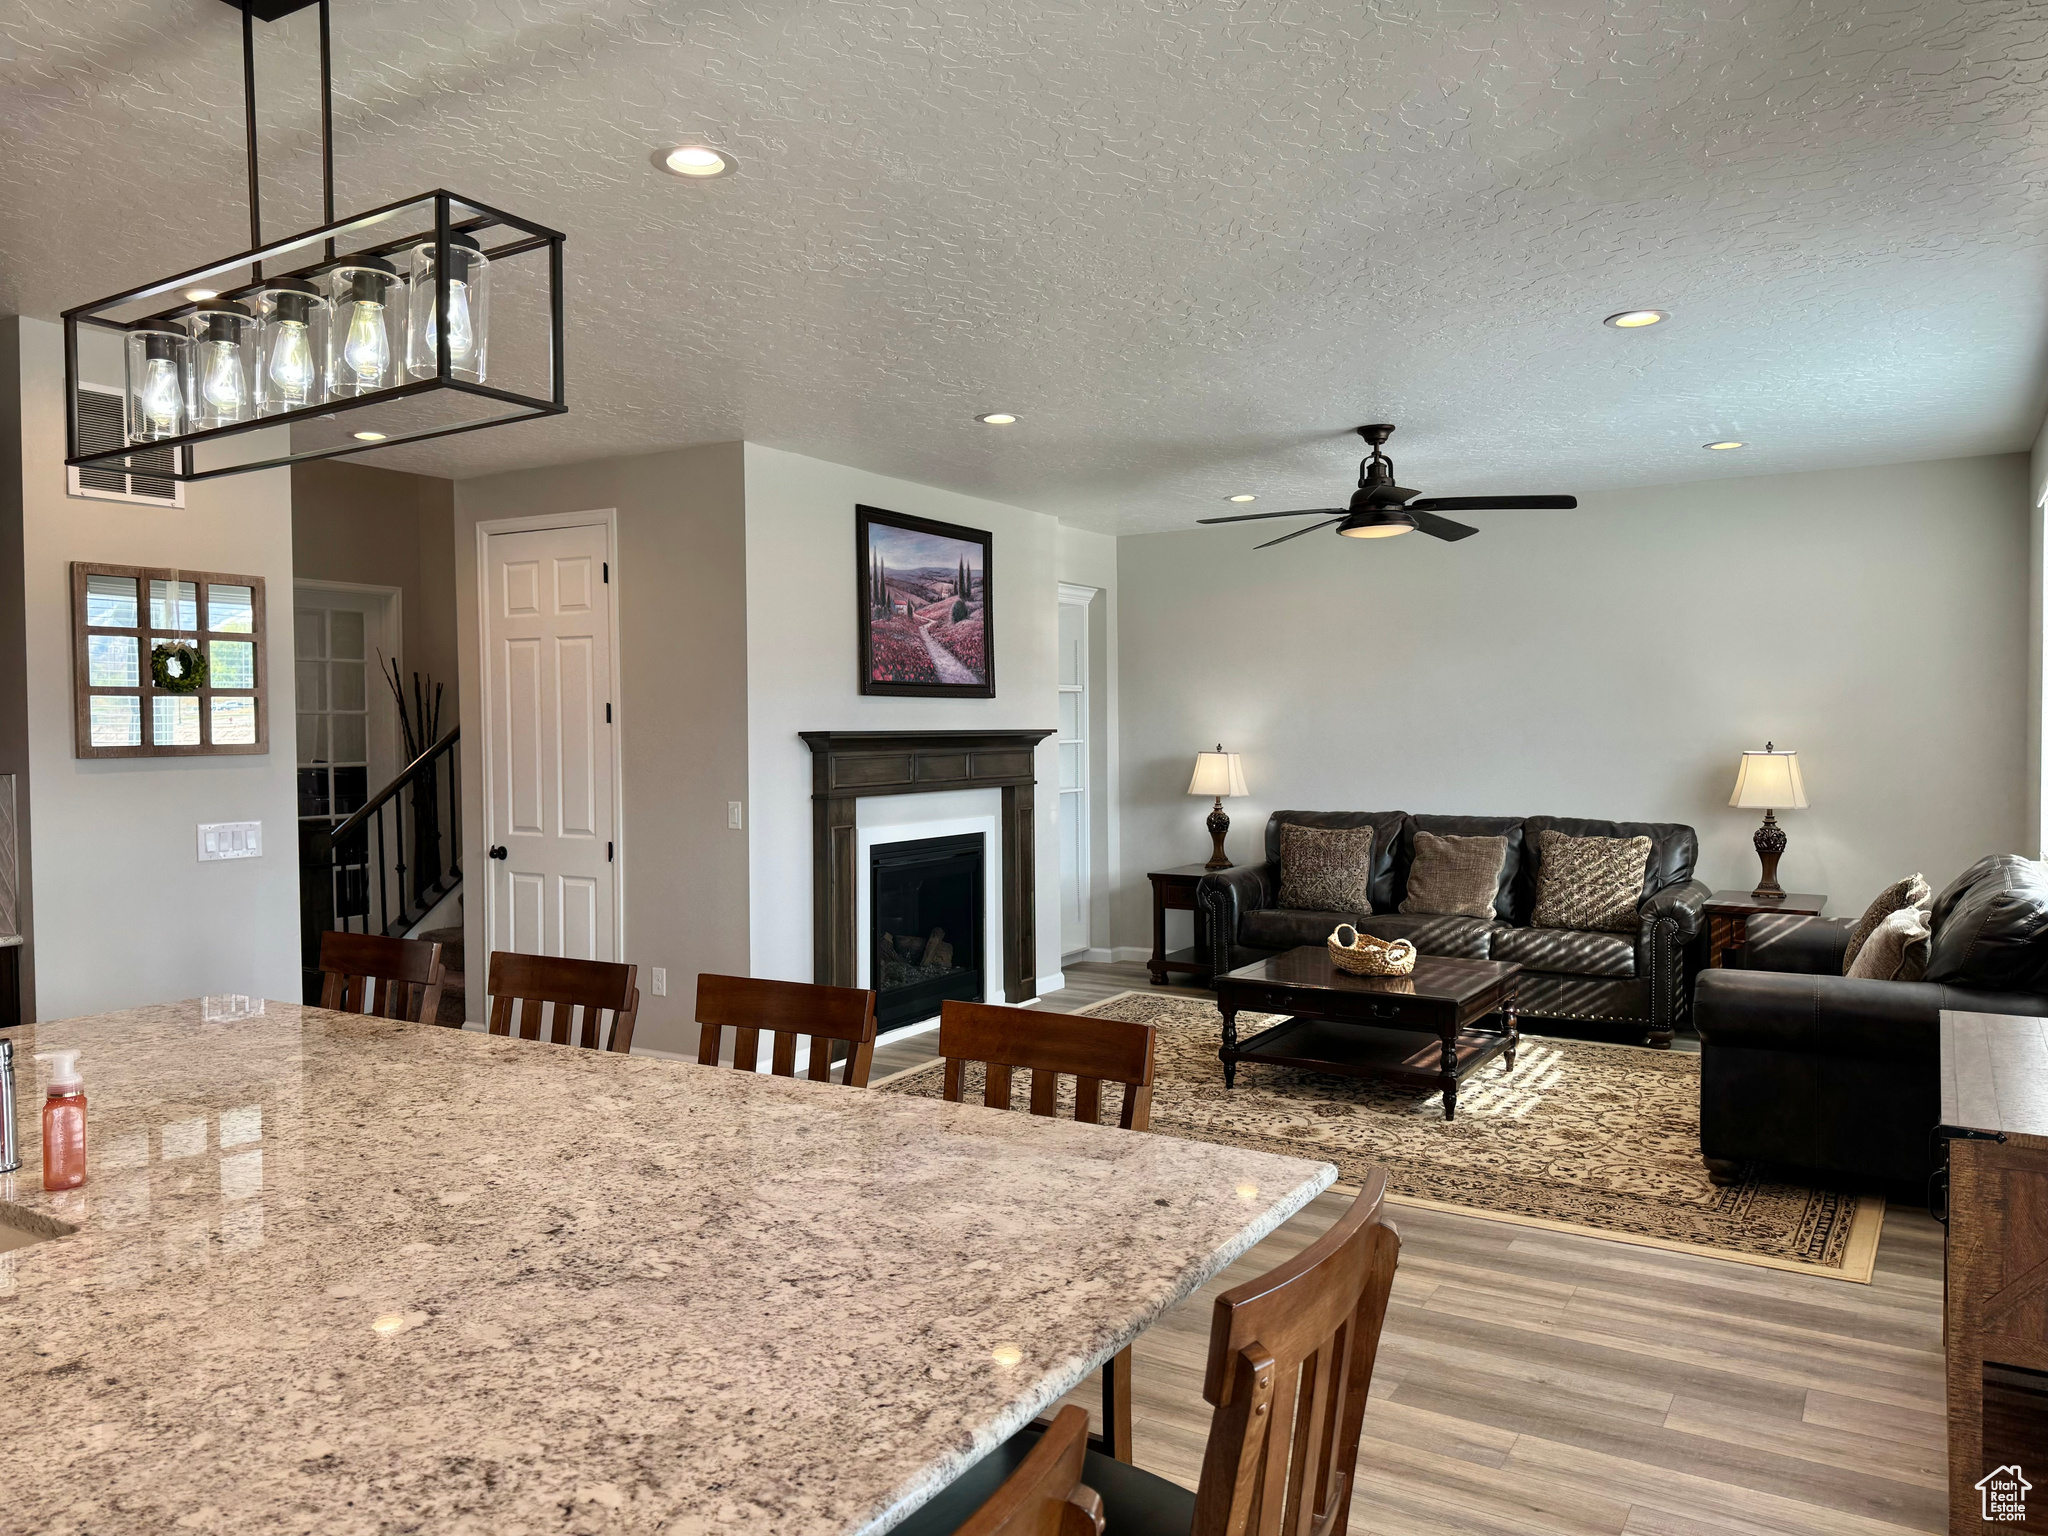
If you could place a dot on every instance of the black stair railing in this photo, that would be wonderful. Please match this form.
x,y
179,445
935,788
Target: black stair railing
x,y
388,865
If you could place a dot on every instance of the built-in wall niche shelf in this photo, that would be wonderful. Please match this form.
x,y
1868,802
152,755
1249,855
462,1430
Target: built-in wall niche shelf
x,y
126,705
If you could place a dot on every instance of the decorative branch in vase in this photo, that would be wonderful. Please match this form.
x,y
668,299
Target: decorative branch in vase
x,y
420,728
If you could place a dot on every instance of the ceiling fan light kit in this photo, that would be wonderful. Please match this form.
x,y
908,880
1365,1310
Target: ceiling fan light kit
x,y
1380,509
344,347
1376,525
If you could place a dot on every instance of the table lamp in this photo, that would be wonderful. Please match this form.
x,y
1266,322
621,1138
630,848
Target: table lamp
x,y
1767,781
1218,773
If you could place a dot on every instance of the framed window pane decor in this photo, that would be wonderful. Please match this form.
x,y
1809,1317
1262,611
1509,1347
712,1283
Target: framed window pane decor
x,y
121,613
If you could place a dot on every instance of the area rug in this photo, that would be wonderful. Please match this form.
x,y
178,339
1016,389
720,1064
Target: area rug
x,y
1579,1137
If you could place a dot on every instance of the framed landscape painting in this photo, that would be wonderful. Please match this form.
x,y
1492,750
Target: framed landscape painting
x,y
924,606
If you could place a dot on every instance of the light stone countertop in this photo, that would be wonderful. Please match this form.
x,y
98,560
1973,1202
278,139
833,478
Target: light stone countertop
x,y
341,1275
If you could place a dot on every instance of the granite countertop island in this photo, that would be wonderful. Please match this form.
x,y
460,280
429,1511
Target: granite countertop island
x,y
344,1275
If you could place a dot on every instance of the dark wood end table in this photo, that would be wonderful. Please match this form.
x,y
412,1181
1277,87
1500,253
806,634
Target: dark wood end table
x,y
1365,1026
1173,890
1728,914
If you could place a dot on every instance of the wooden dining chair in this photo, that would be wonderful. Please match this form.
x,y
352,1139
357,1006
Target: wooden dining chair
x,y
828,1015
1045,1495
1290,1360
368,973
593,986
1092,1051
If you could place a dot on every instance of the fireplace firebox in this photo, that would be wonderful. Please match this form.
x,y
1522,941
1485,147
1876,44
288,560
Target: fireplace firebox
x,y
925,918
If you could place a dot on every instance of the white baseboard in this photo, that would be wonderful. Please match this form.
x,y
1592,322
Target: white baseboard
x,y
1124,953
1096,956
1052,983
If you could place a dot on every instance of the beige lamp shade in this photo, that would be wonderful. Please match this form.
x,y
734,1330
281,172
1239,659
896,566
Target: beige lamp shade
x,y
1769,781
1218,774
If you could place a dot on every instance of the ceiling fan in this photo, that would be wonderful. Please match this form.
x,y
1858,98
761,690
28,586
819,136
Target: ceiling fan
x,y
1380,509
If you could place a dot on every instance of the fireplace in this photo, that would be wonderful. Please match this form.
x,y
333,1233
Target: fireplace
x,y
925,921
850,766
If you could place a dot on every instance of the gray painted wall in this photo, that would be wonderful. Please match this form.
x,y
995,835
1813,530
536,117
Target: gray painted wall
x,y
117,884
802,579
376,527
1611,662
681,693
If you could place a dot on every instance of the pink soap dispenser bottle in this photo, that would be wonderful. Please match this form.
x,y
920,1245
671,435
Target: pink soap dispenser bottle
x,y
63,1122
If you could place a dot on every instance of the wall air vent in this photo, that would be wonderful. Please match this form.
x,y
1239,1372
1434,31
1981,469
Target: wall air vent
x,y
102,427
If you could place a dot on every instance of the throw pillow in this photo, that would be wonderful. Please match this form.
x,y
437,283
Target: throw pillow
x,y
1326,869
1896,949
1593,884
1913,891
1456,876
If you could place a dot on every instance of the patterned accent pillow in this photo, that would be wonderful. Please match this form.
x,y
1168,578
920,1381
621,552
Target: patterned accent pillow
x,y
1326,869
1590,883
1457,876
1913,891
1896,949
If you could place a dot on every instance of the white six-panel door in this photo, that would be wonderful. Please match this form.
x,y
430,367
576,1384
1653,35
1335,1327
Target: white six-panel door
x,y
548,664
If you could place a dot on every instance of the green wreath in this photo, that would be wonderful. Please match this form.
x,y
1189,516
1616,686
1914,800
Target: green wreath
x,y
186,658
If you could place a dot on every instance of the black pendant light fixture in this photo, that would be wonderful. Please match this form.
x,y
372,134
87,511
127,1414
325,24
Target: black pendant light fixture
x,y
336,334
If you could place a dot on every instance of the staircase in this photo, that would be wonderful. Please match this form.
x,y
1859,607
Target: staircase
x,y
390,864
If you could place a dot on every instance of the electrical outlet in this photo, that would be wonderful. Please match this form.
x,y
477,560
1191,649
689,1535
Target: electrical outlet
x,y
230,840
732,814
657,980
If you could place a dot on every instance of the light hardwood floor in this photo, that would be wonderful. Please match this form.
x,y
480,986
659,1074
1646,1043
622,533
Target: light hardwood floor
x,y
1542,1382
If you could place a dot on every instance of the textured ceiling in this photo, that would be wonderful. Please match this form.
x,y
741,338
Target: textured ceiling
x,y
1190,242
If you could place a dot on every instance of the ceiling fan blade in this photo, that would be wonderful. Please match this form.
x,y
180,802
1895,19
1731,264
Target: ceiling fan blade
x,y
1252,517
1494,503
1439,527
1311,528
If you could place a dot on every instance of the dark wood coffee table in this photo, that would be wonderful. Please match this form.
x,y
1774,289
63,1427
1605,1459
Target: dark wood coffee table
x,y
1365,1026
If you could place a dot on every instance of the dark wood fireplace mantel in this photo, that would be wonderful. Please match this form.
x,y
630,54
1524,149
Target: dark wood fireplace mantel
x,y
846,765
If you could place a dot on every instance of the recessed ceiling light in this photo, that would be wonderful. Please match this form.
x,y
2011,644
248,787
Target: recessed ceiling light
x,y
1635,319
698,161
1244,498
200,295
997,419
369,437
1726,444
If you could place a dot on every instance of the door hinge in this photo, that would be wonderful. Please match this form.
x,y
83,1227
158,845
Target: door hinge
x,y
607,714
607,571
607,853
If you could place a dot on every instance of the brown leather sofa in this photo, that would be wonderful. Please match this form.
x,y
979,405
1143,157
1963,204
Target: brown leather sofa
x,y
1629,980
1806,1069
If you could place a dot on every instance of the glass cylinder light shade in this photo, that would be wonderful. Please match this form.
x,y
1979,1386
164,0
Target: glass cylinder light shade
x,y
291,318
220,383
469,310
157,353
365,328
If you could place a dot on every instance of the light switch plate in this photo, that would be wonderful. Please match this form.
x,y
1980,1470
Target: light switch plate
x,y
657,978
732,814
230,840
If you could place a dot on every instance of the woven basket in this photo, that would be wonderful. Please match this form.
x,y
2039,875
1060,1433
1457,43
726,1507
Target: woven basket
x,y
1363,955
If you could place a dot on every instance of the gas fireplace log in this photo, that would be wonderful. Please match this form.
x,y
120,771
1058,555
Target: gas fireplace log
x,y
932,945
